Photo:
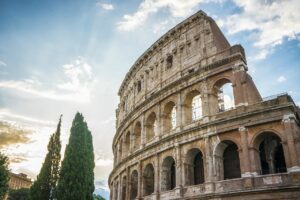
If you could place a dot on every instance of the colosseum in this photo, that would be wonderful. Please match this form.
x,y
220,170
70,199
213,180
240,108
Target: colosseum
x,y
191,124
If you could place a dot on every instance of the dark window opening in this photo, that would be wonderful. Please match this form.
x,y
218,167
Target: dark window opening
x,y
169,62
231,162
198,169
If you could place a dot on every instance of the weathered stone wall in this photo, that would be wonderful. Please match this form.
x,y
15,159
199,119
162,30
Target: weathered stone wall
x,y
155,157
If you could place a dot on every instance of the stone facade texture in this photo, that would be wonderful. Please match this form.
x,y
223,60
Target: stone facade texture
x,y
171,145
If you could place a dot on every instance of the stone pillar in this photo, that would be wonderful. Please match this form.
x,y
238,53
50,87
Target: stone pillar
x,y
239,75
208,165
289,128
179,171
157,177
159,123
254,156
245,162
140,181
143,131
179,111
119,195
127,184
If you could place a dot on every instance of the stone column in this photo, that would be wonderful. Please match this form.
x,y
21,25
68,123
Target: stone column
x,y
119,195
246,163
239,74
179,111
159,123
179,171
289,127
157,177
140,180
208,165
127,184
143,131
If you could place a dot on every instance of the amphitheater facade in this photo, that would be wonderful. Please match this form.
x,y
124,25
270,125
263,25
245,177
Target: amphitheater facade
x,y
191,124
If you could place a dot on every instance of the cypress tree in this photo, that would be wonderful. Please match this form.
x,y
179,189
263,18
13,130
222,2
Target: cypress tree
x,y
4,175
76,180
43,188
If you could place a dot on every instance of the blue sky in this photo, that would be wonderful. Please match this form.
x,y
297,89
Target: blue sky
x,y
59,57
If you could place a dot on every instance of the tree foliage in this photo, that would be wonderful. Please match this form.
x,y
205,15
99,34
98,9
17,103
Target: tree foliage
x,y
20,194
76,176
4,175
98,197
43,188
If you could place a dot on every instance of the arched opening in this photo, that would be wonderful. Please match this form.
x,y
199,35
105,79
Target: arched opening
x,y
231,162
123,190
148,180
151,127
134,185
137,136
227,161
193,107
126,147
194,167
224,93
168,174
169,118
271,153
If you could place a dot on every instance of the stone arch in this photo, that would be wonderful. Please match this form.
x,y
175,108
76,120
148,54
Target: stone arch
x,y
169,116
133,185
227,161
194,167
124,188
270,153
137,135
192,106
168,174
151,126
148,180
223,94
126,147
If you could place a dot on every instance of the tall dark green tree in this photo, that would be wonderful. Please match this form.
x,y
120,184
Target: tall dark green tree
x,y
4,175
77,171
44,187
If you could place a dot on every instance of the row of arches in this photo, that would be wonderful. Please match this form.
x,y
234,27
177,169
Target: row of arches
x,y
226,162
192,111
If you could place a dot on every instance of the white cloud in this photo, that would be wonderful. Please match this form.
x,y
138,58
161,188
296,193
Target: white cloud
x,y
281,79
177,8
76,87
104,162
2,64
106,6
270,21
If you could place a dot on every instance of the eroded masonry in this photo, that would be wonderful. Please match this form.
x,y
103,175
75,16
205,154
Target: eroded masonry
x,y
192,125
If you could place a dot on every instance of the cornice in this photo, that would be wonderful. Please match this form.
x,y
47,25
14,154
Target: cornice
x,y
158,45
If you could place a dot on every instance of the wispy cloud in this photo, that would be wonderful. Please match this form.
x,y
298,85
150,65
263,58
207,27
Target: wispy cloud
x,y
106,6
270,22
76,86
2,63
281,79
177,8
7,115
10,135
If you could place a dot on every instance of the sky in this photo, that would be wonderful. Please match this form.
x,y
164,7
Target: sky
x,y
60,57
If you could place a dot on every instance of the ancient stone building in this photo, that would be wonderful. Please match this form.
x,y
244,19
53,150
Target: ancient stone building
x,y
180,135
18,181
